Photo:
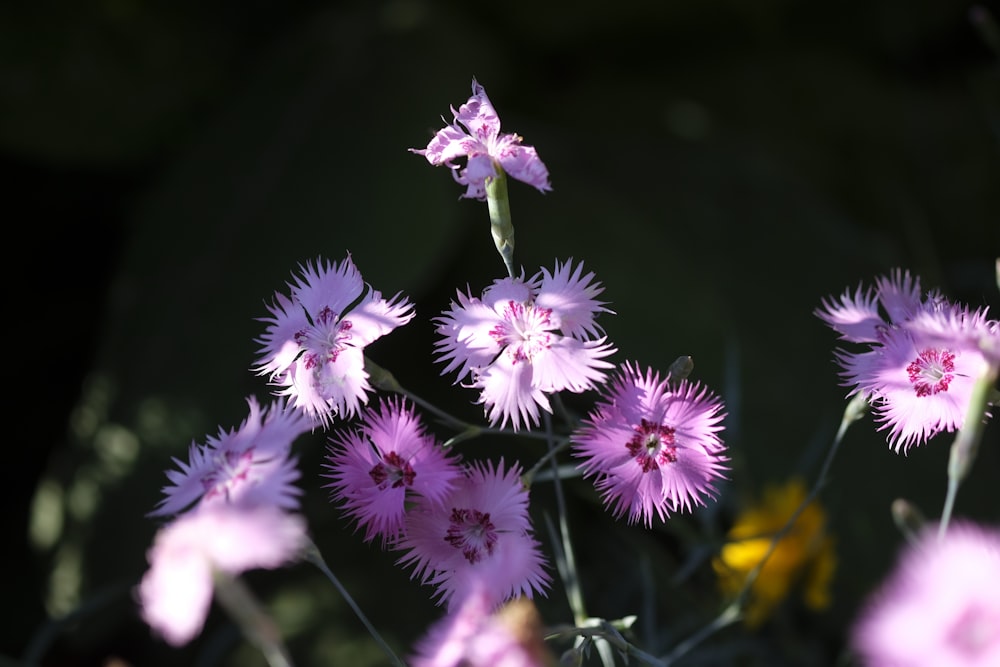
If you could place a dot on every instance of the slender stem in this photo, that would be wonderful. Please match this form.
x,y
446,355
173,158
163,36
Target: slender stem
x,y
854,411
966,445
253,621
313,555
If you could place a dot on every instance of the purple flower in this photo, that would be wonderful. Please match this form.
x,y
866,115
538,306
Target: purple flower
x,y
383,465
314,343
481,533
922,359
475,134
652,445
939,606
523,340
248,466
175,593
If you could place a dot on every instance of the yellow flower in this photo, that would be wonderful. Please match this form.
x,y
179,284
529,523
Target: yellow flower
x,y
804,558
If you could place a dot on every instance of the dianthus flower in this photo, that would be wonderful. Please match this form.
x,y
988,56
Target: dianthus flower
x,y
313,346
922,361
481,533
939,606
250,465
475,135
803,558
383,465
652,445
176,591
523,340
477,635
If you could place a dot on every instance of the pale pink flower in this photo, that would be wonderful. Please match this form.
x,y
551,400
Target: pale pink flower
x,y
475,135
176,591
652,445
250,465
475,635
481,533
921,376
313,346
380,467
525,339
939,606
921,359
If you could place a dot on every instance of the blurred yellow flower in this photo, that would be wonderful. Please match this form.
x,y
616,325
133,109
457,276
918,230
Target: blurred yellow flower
x,y
804,558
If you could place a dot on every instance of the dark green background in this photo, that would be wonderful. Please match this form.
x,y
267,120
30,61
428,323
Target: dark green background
x,y
721,166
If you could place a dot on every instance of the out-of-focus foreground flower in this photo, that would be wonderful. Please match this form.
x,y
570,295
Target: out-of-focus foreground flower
x,y
940,606
475,135
804,558
176,591
475,634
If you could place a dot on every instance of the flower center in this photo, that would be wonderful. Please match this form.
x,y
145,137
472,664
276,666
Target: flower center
x,y
324,340
232,470
652,445
472,532
932,371
524,332
392,471
976,632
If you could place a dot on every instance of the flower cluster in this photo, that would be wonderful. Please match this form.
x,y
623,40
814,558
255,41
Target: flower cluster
x,y
922,355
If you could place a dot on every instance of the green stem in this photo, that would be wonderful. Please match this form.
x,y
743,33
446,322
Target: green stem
x,y
966,445
251,618
313,555
501,226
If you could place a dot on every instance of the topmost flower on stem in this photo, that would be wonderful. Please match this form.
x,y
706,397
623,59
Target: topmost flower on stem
x,y
475,134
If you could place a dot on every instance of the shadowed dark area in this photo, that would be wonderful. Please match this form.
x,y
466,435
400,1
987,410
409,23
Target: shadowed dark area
x,y
720,166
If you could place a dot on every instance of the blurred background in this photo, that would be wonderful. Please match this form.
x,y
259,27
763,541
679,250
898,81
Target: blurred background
x,y
721,166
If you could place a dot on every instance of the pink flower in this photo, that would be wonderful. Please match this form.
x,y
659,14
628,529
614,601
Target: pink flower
x,y
921,376
473,635
939,606
314,343
475,135
652,445
176,591
921,361
481,533
523,340
385,464
250,465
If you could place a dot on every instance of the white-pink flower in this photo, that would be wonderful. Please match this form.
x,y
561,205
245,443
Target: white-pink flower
x,y
525,339
313,346
480,533
475,135
939,606
176,591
